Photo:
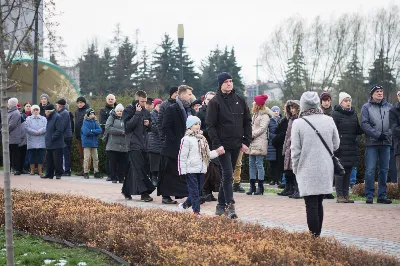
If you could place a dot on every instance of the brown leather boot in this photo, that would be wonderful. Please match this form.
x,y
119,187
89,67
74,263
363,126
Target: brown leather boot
x,y
32,172
40,170
348,200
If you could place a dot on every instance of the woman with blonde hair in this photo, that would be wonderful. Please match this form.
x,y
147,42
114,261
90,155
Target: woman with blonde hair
x,y
258,145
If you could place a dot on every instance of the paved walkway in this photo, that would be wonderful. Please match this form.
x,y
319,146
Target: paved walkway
x,y
375,227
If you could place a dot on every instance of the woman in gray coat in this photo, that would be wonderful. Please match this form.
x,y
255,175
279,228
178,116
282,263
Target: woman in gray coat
x,y
116,147
311,161
35,126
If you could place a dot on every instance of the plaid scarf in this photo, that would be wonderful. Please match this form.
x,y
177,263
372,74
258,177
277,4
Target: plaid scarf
x,y
202,143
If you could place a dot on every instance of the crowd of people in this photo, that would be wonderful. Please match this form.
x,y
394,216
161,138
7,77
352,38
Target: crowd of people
x,y
188,148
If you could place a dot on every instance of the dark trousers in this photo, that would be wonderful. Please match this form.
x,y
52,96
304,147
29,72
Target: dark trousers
x,y
194,184
67,155
280,159
227,162
274,171
80,150
36,156
315,213
342,183
117,163
15,157
54,159
22,156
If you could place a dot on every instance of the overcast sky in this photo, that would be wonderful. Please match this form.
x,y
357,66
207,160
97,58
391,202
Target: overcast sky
x,y
207,23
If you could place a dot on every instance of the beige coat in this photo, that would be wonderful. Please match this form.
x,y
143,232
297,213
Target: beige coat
x,y
259,144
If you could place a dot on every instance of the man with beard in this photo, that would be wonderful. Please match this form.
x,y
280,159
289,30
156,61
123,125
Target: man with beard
x,y
174,128
137,124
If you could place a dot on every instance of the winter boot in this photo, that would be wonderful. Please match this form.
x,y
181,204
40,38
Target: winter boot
x,y
98,175
238,188
219,210
348,200
252,187
260,189
32,172
340,199
230,211
40,170
284,191
290,183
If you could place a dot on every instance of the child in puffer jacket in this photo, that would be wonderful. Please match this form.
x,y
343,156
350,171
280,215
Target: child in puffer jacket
x,y
90,141
194,157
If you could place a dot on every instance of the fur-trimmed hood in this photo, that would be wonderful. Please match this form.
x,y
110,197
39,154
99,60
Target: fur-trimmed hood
x,y
291,103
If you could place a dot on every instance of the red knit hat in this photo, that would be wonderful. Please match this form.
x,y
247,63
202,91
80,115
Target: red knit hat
x,y
261,99
156,101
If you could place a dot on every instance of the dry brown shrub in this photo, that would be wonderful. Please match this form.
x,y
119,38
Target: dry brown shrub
x,y
158,237
391,191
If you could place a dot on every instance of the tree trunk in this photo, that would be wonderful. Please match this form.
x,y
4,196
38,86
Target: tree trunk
x,y
6,162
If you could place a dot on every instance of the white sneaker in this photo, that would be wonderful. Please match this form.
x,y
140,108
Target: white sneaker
x,y
181,207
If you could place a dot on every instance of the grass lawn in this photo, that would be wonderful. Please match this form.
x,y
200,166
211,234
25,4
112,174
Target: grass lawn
x,y
33,251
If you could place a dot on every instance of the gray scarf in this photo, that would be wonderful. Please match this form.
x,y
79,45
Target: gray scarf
x,y
185,107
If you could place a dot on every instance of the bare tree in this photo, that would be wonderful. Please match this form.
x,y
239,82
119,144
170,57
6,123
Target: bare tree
x,y
17,19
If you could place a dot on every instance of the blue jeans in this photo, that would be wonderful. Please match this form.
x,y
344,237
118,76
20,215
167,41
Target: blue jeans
x,y
372,153
36,153
256,164
284,179
194,183
353,176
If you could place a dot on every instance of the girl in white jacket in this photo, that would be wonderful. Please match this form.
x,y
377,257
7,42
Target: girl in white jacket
x,y
193,159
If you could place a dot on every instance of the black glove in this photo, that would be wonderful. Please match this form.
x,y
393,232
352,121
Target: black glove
x,y
382,137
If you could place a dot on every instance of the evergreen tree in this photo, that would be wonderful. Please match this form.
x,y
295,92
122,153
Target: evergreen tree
x,y
190,76
106,71
144,78
381,74
165,65
89,70
218,62
352,82
124,67
296,81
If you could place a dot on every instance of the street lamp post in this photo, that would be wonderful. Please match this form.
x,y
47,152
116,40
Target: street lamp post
x,y
180,42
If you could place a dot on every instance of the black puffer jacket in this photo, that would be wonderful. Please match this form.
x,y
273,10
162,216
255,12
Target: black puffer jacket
x,y
349,128
135,130
104,114
202,115
155,143
228,121
79,116
163,108
394,120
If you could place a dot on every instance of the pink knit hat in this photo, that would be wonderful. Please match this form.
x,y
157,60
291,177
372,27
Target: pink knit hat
x,y
156,101
261,99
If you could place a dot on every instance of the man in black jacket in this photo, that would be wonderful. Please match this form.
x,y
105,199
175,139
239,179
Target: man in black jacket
x,y
105,112
173,93
229,127
394,121
137,123
174,128
79,116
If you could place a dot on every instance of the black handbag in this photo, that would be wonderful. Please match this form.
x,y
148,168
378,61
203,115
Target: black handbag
x,y
337,164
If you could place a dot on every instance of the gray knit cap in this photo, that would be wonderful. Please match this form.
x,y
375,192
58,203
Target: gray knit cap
x,y
309,100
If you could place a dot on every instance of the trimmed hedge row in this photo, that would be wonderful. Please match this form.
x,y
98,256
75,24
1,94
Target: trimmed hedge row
x,y
158,237
392,190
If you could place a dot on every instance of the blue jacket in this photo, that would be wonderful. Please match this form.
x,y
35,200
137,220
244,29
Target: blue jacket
x,y
66,122
273,123
54,136
89,133
375,121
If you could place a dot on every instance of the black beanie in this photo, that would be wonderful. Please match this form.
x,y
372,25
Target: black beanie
x,y
172,91
374,88
81,99
62,102
222,77
49,107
